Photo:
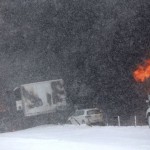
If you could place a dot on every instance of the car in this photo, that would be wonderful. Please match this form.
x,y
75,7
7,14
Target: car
x,y
87,116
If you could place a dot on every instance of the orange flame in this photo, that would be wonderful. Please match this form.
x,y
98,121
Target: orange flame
x,y
142,72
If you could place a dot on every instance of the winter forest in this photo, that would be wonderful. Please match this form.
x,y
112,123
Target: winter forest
x,y
93,45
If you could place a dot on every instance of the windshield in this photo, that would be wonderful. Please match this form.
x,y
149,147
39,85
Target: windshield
x,y
91,112
79,113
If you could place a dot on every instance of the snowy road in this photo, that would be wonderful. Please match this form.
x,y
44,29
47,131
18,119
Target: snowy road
x,y
70,137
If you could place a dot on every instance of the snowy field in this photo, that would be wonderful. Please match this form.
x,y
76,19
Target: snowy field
x,y
71,137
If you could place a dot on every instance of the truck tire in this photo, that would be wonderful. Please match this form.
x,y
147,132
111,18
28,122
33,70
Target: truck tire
x,y
148,119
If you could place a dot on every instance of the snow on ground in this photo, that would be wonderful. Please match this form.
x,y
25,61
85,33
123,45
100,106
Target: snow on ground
x,y
71,137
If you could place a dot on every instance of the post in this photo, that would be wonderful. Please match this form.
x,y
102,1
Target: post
x,y
107,120
135,121
119,121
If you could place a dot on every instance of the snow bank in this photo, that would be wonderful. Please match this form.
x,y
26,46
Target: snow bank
x,y
71,137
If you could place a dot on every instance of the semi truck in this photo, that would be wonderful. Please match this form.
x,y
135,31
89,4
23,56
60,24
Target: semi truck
x,y
34,102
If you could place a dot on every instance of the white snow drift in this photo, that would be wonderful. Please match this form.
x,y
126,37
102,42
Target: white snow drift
x,y
71,137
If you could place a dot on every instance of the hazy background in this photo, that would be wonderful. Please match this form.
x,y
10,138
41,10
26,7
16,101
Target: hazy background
x,y
93,45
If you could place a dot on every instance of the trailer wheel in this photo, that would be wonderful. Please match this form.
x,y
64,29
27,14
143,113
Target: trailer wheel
x,y
148,119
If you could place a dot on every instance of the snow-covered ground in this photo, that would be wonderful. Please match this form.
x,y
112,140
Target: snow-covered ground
x,y
71,137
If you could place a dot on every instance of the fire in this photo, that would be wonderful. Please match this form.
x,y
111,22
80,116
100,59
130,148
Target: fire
x,y
142,72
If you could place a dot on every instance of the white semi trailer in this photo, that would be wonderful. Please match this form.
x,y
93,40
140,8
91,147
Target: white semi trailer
x,y
40,97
